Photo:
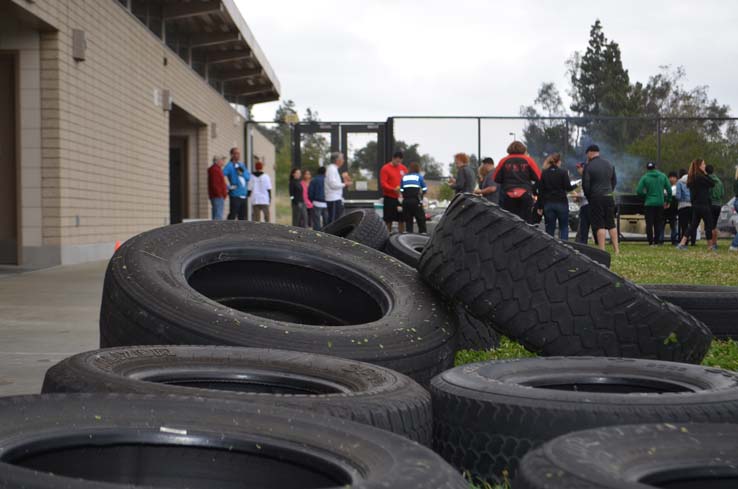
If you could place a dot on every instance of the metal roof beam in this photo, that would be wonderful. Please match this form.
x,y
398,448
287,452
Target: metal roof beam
x,y
234,75
228,56
195,8
204,40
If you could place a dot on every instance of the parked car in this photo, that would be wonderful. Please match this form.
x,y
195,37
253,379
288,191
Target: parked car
x,y
728,220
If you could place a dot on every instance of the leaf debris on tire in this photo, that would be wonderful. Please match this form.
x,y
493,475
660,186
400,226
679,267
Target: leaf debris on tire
x,y
349,389
554,301
488,415
263,285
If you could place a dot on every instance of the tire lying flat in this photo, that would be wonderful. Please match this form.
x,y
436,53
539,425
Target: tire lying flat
x,y
269,286
554,301
487,416
406,247
348,389
715,306
363,226
683,456
122,440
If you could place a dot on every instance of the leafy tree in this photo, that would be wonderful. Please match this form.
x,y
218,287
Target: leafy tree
x,y
546,136
315,147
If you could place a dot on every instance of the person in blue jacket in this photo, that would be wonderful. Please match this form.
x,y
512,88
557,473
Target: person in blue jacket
x,y
316,194
412,188
238,178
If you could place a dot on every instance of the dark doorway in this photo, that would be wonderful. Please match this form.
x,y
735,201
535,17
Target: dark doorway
x,y
8,160
177,179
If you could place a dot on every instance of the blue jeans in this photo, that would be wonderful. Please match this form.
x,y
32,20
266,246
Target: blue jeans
x,y
734,244
218,204
335,210
553,212
320,217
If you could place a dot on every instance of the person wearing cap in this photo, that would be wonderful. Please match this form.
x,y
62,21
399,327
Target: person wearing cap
x,y
487,186
217,187
598,182
261,193
654,185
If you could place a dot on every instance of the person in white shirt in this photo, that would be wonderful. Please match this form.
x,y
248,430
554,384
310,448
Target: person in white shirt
x,y
261,193
334,185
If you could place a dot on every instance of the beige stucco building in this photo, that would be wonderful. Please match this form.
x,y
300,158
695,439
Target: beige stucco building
x,y
110,113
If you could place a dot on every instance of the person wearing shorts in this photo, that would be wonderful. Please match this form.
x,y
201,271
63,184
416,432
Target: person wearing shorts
x,y
598,183
390,178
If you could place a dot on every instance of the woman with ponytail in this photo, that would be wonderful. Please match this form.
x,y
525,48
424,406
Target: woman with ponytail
x,y
699,187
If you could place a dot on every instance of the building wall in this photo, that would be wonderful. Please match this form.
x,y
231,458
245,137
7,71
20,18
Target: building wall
x,y
104,140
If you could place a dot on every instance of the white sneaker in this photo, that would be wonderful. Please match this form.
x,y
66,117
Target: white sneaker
x,y
733,248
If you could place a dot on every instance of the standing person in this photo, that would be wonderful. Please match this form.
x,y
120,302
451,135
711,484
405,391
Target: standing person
x,y
716,203
734,244
684,206
464,181
518,175
699,186
412,188
307,177
584,218
334,186
217,187
299,211
316,194
238,178
553,203
598,182
670,211
653,185
261,193
390,179
487,186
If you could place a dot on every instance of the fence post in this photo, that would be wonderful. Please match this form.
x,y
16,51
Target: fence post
x,y
658,141
479,140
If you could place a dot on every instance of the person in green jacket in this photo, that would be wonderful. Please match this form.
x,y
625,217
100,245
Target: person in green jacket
x,y
654,186
716,203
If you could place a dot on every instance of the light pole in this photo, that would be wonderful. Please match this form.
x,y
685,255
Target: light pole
x,y
513,135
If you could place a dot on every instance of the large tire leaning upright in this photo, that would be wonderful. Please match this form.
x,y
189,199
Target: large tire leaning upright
x,y
83,441
348,389
488,415
268,286
363,226
535,289
715,306
679,456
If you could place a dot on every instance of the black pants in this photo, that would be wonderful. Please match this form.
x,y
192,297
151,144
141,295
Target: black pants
x,y
335,210
237,209
521,207
654,224
703,212
412,209
685,219
670,218
584,226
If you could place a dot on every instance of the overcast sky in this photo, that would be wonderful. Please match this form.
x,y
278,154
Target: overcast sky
x,y
369,60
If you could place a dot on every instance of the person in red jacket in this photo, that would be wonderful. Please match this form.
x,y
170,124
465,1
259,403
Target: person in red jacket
x,y
390,179
217,187
518,174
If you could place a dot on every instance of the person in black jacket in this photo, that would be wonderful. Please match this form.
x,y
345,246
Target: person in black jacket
x,y
598,182
299,211
518,175
699,187
553,203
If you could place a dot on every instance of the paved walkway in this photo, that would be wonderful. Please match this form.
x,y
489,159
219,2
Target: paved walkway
x,y
45,316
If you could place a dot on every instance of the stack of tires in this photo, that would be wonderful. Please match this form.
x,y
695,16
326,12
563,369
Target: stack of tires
x,y
285,357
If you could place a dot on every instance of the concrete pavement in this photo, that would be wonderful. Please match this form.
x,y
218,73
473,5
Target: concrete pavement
x,y
46,316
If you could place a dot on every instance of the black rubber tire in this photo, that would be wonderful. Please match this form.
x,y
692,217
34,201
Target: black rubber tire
x,y
348,389
363,226
406,247
715,306
473,334
488,415
594,253
80,441
538,291
678,456
384,313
